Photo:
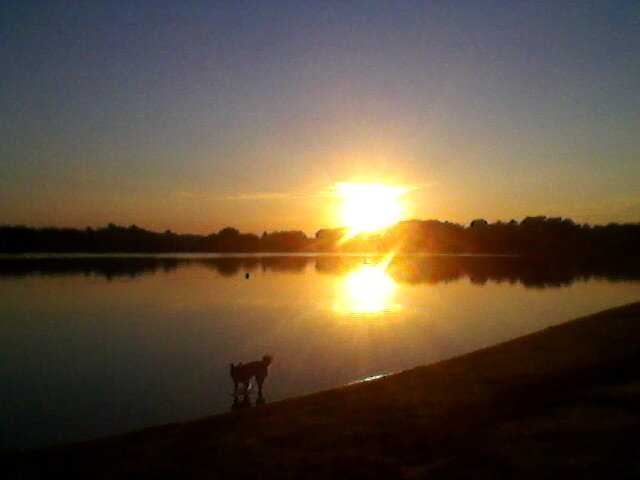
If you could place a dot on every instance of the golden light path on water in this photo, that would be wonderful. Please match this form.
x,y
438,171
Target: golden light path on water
x,y
367,290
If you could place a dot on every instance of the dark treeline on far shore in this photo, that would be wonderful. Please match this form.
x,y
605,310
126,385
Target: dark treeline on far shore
x,y
533,236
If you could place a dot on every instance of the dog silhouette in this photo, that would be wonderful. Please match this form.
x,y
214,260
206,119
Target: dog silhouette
x,y
243,373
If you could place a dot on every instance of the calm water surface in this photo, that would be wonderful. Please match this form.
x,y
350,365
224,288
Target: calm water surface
x,y
97,345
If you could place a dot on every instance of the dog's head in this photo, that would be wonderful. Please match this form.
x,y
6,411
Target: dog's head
x,y
267,359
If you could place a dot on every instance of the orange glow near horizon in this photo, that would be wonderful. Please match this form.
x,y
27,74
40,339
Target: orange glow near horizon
x,y
368,207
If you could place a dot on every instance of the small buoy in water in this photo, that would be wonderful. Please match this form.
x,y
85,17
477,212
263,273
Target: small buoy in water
x,y
246,275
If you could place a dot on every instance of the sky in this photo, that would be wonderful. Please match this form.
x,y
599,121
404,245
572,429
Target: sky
x,y
194,116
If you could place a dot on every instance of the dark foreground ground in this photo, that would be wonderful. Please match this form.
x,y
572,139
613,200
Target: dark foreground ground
x,y
560,403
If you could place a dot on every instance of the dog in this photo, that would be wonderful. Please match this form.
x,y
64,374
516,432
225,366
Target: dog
x,y
242,374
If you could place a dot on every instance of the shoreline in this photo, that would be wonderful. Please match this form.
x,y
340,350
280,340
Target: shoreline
x,y
561,401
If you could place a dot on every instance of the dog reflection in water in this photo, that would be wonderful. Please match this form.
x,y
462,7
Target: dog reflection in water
x,y
242,375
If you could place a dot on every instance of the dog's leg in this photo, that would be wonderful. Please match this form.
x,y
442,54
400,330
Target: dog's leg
x,y
232,372
245,397
259,380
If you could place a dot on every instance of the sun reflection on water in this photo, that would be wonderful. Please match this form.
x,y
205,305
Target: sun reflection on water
x,y
367,290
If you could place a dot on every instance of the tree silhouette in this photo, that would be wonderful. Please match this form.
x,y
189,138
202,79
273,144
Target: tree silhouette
x,y
537,236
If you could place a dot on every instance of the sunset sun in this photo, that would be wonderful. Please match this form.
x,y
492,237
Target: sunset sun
x,y
367,207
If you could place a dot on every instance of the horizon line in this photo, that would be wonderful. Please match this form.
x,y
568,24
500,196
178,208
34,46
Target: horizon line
x,y
464,225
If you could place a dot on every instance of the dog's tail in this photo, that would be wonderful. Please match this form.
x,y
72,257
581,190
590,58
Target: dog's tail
x,y
267,359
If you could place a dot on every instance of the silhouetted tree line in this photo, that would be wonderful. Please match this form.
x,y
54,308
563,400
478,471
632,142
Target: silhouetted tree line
x,y
534,236
117,239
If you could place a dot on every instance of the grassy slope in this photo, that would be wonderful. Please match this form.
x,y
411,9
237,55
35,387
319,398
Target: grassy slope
x,y
560,402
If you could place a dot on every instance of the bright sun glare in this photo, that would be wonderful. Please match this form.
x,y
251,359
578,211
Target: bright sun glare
x,y
367,207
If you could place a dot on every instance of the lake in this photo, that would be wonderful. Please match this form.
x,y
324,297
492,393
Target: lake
x,y
93,345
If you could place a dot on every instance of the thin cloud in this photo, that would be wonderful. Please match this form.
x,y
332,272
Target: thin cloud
x,y
331,191
336,190
271,195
